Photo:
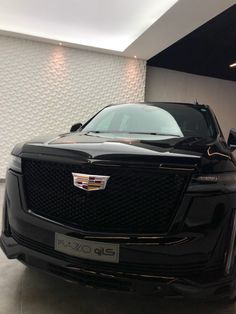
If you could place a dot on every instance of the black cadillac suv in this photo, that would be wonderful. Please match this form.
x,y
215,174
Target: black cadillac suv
x,y
140,198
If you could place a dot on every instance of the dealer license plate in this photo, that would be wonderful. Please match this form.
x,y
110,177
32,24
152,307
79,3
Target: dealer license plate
x,y
93,250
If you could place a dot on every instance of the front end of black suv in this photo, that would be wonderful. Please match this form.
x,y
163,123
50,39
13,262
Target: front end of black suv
x,y
171,213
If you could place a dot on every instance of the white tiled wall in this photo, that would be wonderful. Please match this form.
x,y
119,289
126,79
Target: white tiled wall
x,y
46,88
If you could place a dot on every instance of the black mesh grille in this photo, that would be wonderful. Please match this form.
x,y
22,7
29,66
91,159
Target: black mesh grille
x,y
135,200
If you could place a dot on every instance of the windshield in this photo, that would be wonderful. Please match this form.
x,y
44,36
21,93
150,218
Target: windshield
x,y
167,119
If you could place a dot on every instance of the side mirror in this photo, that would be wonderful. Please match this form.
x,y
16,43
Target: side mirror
x,y
232,139
76,127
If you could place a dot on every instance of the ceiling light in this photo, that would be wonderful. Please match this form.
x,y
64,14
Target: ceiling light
x,y
233,65
106,24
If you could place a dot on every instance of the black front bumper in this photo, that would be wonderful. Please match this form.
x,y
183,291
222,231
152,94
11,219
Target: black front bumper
x,y
137,283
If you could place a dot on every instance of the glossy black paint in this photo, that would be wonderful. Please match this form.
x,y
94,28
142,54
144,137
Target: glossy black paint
x,y
189,260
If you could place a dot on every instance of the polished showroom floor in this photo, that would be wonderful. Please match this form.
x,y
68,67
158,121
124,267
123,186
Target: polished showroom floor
x,y
27,291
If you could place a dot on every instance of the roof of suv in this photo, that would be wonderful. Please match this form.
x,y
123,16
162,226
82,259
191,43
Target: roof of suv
x,y
153,103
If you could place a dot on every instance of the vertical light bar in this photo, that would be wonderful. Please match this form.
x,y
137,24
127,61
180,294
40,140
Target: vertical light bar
x,y
230,257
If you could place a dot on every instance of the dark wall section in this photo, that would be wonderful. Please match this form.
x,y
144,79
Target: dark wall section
x,y
208,51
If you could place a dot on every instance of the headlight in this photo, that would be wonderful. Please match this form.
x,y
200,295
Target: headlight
x,y
15,163
225,182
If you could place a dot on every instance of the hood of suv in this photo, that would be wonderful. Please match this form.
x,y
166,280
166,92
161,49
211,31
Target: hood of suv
x,y
163,149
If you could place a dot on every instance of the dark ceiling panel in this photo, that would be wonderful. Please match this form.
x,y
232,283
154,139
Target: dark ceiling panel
x,y
209,50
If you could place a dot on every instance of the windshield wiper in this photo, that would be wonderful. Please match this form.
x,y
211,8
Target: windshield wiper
x,y
190,140
153,133
95,132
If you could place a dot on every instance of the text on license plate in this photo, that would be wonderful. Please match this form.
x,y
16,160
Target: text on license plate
x,y
93,250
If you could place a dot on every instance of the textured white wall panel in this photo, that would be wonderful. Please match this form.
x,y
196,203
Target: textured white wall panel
x,y
46,88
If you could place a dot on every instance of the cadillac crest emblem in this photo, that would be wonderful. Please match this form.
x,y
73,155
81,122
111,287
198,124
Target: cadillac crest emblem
x,y
89,182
